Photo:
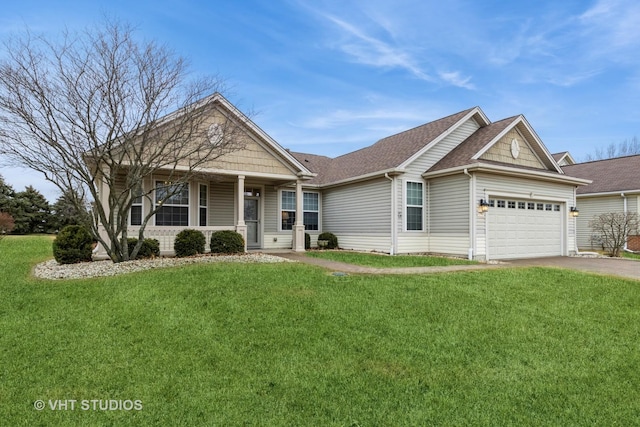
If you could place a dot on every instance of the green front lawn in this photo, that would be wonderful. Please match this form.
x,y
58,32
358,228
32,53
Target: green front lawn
x,y
288,344
386,261
631,255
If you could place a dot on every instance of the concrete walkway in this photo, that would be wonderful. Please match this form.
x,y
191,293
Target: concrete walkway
x,y
359,269
621,267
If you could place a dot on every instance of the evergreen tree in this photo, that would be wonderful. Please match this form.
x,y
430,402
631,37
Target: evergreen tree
x,y
31,212
7,194
65,211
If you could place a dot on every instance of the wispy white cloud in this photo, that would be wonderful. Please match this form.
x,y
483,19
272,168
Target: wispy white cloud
x,y
456,79
369,50
613,25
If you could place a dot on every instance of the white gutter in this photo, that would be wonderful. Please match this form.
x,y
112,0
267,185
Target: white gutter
x,y
472,215
510,171
625,209
394,237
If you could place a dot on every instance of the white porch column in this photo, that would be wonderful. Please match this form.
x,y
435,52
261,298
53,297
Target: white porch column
x,y
100,253
298,227
241,227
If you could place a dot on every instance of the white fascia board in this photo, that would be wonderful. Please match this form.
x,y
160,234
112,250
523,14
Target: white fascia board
x,y
304,172
365,177
509,171
217,97
609,193
443,135
523,120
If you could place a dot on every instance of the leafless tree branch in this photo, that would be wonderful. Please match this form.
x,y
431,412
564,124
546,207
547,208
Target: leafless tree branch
x,y
102,109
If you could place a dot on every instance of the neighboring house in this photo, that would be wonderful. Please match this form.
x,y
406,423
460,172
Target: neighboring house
x,y
424,190
563,159
615,188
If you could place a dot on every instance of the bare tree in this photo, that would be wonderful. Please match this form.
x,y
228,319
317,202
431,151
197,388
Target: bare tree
x,y
99,112
625,148
614,228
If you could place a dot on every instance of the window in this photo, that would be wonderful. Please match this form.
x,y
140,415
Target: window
x,y
501,203
492,203
174,199
414,206
310,208
556,208
202,205
288,209
511,204
540,206
521,205
548,207
531,206
135,217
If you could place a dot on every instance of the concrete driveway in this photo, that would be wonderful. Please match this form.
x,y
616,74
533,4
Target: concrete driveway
x,y
622,267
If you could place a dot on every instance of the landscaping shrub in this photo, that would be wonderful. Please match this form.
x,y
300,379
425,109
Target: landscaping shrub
x,y
73,244
307,241
331,238
189,242
150,248
227,242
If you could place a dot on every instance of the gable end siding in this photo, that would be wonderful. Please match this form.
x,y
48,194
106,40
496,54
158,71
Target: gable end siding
x,y
501,152
441,149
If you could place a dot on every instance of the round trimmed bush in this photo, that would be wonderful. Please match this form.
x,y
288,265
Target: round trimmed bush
x,y
189,242
73,244
226,242
331,238
150,248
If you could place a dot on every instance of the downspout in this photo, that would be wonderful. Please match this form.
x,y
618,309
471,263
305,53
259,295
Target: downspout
x,y
472,216
625,208
394,237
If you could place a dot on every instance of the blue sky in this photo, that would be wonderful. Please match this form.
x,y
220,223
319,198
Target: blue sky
x,y
329,77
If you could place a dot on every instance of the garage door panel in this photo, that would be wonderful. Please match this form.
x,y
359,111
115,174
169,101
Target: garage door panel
x,y
530,230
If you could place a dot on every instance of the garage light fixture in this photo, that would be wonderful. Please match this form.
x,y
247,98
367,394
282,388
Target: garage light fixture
x,y
574,212
483,206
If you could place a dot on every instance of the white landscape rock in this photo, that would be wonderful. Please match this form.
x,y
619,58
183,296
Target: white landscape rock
x,y
52,270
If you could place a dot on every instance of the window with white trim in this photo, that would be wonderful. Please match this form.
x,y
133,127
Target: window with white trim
x,y
288,209
135,215
203,198
310,210
174,210
414,206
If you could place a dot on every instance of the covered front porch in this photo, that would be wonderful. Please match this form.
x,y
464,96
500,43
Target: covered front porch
x,y
250,204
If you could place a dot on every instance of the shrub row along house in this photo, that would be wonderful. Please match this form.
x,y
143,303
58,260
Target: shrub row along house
x,y
460,185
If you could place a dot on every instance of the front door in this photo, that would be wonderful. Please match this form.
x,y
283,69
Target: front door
x,y
252,220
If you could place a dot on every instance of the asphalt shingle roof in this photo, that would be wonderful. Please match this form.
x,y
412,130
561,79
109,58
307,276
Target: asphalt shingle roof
x,y
387,153
463,153
611,175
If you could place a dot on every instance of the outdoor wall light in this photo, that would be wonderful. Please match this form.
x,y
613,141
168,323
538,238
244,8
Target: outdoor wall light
x,y
483,206
574,212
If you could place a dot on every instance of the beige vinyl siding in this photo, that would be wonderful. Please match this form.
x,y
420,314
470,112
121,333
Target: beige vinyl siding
x,y
419,166
590,208
449,205
222,202
369,242
359,214
271,214
442,148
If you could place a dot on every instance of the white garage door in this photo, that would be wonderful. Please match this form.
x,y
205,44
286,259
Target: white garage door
x,y
524,228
